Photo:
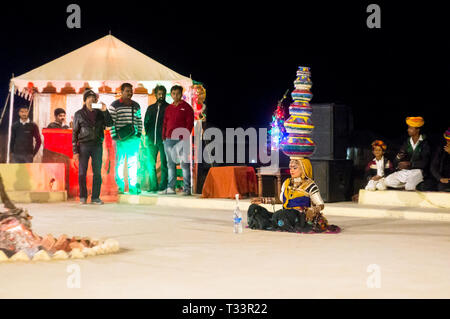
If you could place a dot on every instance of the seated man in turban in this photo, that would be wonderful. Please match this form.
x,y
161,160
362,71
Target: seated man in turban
x,y
302,205
377,168
440,165
413,160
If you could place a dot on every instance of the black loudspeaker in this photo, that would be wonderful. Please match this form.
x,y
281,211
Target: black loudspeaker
x,y
332,128
333,177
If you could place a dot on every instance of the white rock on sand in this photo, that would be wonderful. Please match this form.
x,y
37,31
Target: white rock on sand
x,y
88,252
112,245
41,255
76,254
20,256
3,257
99,249
60,255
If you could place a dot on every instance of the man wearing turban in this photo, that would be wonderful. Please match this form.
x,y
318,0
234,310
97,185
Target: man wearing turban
x,y
413,159
378,168
440,165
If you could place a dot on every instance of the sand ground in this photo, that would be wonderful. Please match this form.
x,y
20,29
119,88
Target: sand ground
x,y
176,252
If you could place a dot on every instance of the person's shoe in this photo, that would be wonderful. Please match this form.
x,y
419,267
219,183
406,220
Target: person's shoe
x,y
97,201
121,192
167,191
183,193
83,201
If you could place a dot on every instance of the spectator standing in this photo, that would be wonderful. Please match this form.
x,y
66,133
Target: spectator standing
x,y
153,124
126,131
25,138
87,142
178,115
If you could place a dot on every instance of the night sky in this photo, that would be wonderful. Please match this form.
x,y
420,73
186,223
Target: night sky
x,y
247,56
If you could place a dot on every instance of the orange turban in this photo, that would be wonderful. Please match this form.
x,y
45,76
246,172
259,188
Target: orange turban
x,y
380,144
415,121
447,134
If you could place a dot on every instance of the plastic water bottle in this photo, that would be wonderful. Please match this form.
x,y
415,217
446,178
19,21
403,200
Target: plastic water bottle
x,y
237,217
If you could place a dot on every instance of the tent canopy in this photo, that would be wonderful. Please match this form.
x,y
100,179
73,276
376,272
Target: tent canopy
x,y
107,61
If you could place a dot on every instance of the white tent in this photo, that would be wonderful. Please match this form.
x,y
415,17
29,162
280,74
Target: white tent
x,y
105,62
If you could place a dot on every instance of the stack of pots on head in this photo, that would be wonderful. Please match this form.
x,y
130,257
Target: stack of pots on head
x,y
299,126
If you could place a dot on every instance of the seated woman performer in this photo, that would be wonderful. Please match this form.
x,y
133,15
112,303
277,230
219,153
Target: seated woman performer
x,y
302,205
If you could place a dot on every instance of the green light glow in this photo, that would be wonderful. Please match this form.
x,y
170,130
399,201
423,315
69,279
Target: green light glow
x,y
129,149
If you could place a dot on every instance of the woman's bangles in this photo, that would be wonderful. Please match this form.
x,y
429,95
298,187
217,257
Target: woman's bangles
x,y
312,212
264,200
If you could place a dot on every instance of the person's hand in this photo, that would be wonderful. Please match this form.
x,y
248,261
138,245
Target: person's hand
x,y
447,148
444,180
376,178
76,157
103,107
256,200
310,213
404,165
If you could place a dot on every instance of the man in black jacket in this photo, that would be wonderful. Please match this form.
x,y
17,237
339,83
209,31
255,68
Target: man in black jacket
x,y
153,123
413,160
87,141
440,165
22,134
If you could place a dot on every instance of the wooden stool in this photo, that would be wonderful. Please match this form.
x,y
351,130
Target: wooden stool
x,y
277,182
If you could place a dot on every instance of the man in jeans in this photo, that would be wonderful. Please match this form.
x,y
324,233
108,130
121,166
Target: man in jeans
x,y
179,115
23,132
153,123
87,142
126,112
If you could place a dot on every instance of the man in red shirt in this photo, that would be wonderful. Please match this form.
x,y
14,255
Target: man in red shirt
x,y
178,121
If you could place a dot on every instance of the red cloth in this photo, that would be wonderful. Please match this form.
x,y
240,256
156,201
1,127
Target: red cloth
x,y
227,181
58,140
181,115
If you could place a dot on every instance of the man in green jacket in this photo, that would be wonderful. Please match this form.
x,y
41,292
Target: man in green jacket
x,y
413,159
153,124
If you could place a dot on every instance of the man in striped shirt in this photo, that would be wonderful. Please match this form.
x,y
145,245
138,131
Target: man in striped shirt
x,y
126,112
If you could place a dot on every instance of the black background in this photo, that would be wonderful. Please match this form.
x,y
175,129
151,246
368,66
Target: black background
x,y
247,54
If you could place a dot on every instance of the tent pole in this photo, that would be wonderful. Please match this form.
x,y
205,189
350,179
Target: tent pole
x,y
4,108
11,106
